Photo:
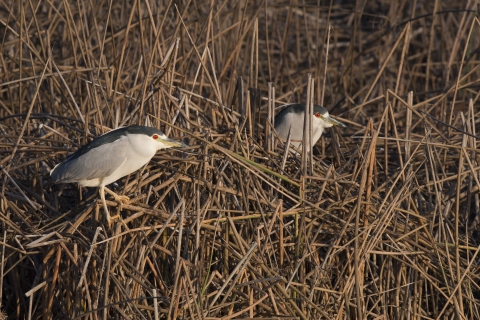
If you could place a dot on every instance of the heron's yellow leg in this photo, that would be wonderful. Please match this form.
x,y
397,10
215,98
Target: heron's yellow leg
x,y
117,198
107,214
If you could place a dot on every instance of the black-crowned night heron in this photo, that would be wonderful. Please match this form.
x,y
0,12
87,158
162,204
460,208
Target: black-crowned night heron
x,y
293,117
110,157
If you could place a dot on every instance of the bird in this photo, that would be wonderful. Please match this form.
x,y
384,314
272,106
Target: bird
x,y
293,117
110,157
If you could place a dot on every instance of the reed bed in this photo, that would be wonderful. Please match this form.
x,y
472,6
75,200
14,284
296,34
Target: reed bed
x,y
380,221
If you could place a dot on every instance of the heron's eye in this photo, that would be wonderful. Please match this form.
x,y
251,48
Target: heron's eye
x,y
317,114
155,136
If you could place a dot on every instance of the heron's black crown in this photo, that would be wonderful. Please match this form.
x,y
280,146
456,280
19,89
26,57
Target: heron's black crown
x,y
297,108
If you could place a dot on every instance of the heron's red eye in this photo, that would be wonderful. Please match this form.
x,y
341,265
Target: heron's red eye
x,y
317,114
155,136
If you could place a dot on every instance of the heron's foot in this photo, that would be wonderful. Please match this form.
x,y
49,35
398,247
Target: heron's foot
x,y
119,198
115,217
122,199
111,219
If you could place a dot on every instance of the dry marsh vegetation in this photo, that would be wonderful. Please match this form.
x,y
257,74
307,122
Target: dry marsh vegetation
x,y
382,224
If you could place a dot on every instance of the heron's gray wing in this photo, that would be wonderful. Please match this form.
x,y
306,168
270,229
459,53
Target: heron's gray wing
x,y
98,162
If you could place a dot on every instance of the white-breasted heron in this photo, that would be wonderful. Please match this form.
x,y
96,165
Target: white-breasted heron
x,y
111,157
293,117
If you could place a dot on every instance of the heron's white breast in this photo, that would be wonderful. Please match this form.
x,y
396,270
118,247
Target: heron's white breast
x,y
141,150
295,121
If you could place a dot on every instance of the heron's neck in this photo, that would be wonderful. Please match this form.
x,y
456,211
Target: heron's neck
x,y
316,135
